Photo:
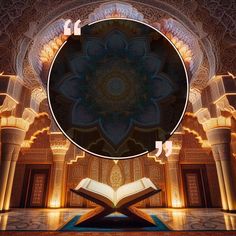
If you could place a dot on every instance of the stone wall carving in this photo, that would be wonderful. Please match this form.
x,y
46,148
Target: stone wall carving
x,y
197,16
116,177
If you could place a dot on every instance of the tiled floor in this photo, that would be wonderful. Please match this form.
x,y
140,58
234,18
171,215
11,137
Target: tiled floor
x,y
176,219
195,219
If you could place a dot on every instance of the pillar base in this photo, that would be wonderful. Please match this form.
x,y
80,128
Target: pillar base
x,y
5,211
229,211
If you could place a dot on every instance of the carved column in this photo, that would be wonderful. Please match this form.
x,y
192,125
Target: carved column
x,y
216,156
215,108
220,139
59,146
173,168
11,139
174,180
16,116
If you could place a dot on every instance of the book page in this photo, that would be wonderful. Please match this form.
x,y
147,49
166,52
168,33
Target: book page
x,y
134,190
96,191
82,183
100,188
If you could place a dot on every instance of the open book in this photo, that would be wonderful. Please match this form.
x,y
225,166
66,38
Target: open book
x,y
120,200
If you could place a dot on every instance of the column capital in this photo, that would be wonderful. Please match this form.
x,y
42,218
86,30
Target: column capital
x,y
221,122
59,144
12,122
219,135
12,135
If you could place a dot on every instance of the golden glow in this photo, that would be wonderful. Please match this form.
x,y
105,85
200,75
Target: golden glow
x,y
14,122
116,161
49,50
2,73
190,114
176,203
218,122
54,217
183,48
159,159
77,157
3,221
55,203
204,143
114,14
28,143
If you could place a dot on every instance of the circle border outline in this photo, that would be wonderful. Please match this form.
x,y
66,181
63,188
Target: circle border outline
x,y
137,155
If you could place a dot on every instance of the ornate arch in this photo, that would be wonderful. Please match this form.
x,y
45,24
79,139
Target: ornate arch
x,y
213,25
150,11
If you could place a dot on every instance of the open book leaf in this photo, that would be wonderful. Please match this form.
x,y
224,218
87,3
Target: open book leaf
x,y
120,200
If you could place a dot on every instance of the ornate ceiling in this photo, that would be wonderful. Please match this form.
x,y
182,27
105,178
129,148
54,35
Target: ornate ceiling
x,y
212,22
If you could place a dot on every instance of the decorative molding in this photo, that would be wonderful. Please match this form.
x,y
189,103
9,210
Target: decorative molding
x,y
217,101
46,44
192,18
204,142
115,9
59,144
28,142
74,158
185,42
37,96
14,122
219,122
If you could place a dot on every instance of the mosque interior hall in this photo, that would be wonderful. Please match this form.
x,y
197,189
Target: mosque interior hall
x,y
39,164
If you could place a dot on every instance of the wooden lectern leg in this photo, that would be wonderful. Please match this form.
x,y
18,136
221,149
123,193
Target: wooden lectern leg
x,y
92,215
134,213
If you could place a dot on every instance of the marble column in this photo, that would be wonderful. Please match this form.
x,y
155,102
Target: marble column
x,y
220,139
11,139
174,179
220,178
59,147
58,179
11,175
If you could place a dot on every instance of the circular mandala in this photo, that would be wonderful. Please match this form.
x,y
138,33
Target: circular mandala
x,y
118,88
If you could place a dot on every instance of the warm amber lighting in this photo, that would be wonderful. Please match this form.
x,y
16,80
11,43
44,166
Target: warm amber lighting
x,y
28,143
54,217
55,203
159,159
2,73
204,143
176,203
77,157
116,161
114,14
49,50
220,121
3,221
183,48
13,122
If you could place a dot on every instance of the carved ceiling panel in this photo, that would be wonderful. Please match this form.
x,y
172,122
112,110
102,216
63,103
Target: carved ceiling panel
x,y
212,21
